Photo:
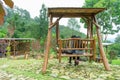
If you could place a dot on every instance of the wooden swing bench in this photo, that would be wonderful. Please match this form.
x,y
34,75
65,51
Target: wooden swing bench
x,y
74,47
89,48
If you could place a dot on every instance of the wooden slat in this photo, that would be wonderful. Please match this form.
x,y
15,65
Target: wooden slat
x,y
74,55
77,39
77,49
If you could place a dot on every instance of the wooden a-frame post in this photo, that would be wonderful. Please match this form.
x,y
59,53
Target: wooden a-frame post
x,y
47,47
102,53
46,53
105,61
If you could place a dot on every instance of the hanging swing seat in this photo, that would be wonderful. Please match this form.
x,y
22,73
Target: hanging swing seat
x,y
73,47
76,55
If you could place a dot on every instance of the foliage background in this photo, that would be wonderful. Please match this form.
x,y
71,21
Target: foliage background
x,y
19,24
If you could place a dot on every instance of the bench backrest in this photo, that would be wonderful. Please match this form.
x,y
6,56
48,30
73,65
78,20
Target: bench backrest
x,y
76,44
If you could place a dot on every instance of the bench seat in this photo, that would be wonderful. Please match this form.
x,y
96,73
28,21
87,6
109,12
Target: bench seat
x,y
75,55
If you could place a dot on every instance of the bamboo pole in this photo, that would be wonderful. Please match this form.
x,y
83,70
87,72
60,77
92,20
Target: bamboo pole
x,y
105,61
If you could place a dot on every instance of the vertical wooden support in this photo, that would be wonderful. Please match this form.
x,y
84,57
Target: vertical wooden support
x,y
59,56
27,51
87,22
47,48
94,51
90,36
14,48
26,55
57,32
91,28
105,61
88,29
92,42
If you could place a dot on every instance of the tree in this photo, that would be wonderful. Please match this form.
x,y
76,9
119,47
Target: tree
x,y
66,32
3,11
110,18
23,26
42,22
73,24
18,21
23,23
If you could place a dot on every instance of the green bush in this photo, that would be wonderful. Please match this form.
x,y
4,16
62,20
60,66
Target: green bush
x,y
115,47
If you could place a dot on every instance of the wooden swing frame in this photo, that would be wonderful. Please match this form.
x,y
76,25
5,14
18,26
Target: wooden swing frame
x,y
88,15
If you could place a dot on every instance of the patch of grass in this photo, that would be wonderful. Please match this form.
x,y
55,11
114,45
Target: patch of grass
x,y
29,68
116,62
60,71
